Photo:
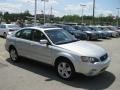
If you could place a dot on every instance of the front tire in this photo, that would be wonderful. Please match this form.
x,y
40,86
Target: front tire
x,y
65,70
13,55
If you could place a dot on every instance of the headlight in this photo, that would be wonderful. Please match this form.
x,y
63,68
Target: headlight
x,y
89,59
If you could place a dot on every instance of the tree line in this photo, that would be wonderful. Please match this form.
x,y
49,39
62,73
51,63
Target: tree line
x,y
13,17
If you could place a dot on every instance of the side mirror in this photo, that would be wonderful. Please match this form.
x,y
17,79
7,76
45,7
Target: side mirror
x,y
43,41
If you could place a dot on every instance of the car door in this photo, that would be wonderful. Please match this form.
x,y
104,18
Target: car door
x,y
39,51
23,42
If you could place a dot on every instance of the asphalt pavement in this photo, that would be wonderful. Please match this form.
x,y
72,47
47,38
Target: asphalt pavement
x,y
30,75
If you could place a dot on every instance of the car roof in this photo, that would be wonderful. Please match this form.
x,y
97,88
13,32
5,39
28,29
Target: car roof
x,y
61,25
8,24
42,28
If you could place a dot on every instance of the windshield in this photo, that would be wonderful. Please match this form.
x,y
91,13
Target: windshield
x,y
95,28
69,28
92,28
104,28
113,28
79,27
13,26
108,29
85,28
60,36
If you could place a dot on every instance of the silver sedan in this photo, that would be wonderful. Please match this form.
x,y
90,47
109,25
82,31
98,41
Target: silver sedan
x,y
8,28
58,48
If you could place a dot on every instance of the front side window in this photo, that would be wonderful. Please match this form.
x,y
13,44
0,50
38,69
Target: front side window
x,y
69,28
85,29
38,35
60,36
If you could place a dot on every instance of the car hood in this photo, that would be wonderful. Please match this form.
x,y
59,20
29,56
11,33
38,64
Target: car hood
x,y
100,31
93,32
111,31
88,31
77,33
84,48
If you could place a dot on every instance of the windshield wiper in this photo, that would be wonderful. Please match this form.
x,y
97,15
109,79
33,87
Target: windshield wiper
x,y
67,42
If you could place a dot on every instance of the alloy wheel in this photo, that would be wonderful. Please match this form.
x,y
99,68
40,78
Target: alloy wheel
x,y
64,70
13,55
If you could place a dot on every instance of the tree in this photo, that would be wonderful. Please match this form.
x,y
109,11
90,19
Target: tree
x,y
13,17
71,18
7,17
1,16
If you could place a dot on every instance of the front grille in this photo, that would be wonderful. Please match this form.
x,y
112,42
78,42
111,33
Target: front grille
x,y
104,57
95,36
100,35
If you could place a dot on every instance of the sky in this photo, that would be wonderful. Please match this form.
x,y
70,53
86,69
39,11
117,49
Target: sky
x,y
62,7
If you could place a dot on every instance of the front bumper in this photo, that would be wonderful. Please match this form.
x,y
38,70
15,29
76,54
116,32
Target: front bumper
x,y
81,36
89,69
104,36
100,35
94,37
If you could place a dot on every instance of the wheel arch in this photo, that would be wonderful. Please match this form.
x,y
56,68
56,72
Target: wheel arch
x,y
11,46
61,58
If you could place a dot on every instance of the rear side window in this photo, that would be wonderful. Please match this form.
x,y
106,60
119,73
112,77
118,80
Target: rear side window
x,y
24,34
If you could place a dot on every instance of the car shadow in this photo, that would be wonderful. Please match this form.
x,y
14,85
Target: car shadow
x,y
98,40
108,38
2,37
99,82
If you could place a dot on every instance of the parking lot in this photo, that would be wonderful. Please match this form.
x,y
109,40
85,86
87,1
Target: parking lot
x,y
29,75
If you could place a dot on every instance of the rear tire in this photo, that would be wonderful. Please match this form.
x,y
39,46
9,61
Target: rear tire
x,y
13,55
5,35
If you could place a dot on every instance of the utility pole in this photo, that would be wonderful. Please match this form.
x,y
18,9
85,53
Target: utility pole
x,y
44,9
51,9
51,13
118,16
82,12
93,12
35,12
